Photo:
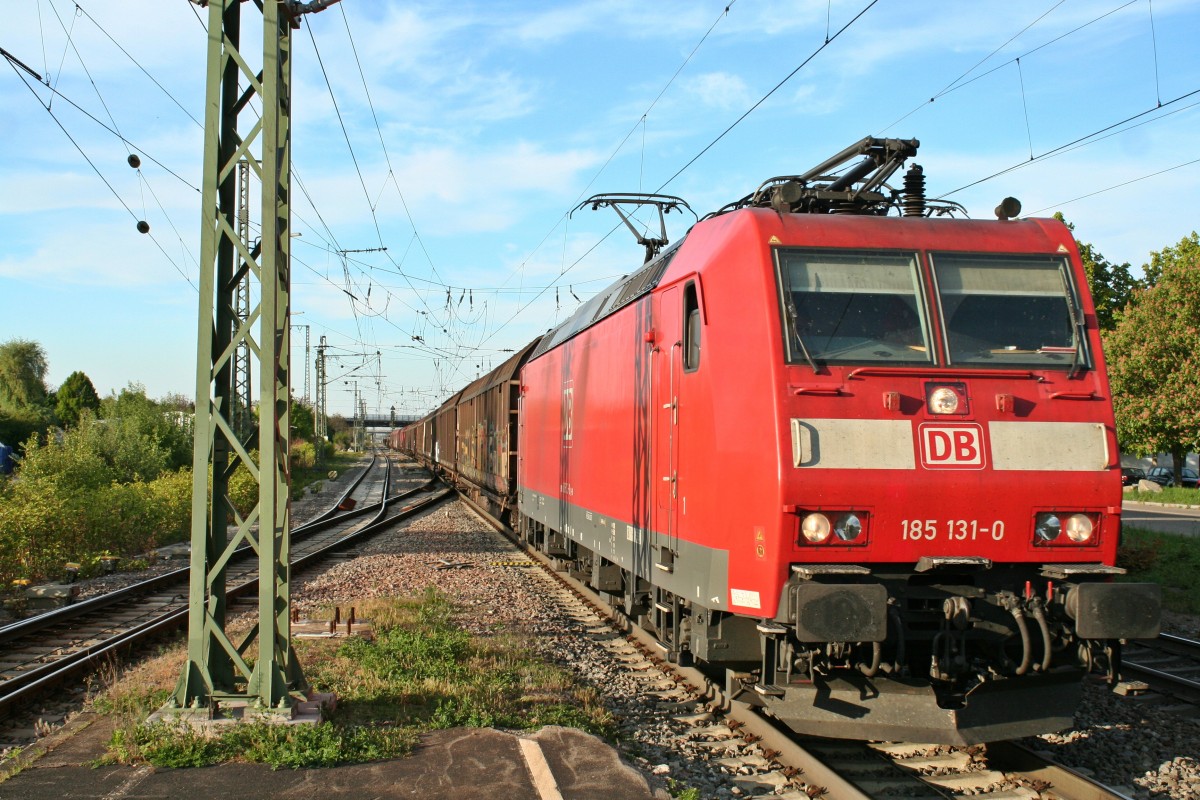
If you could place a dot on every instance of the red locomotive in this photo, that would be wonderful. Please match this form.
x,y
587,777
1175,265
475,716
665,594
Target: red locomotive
x,y
863,463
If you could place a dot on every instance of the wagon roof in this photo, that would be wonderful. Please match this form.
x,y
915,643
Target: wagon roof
x,y
501,374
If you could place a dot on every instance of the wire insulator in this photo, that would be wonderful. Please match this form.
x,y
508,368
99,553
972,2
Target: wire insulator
x,y
914,192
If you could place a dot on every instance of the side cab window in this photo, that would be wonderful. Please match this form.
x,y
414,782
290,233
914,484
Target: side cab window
x,y
691,328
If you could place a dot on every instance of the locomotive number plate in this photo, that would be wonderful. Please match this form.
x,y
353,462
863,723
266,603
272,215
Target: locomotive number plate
x,y
951,530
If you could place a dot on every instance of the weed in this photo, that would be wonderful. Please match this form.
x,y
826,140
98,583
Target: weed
x,y
166,745
421,672
1138,555
681,792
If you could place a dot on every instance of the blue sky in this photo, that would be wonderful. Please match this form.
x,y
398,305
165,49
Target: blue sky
x,y
488,122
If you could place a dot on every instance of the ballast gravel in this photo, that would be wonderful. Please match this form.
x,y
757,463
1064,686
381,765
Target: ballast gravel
x,y
1138,744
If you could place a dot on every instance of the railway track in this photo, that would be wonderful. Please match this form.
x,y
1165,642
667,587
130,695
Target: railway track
x,y
43,652
765,757
1169,664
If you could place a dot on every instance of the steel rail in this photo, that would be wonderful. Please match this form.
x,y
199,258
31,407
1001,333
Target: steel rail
x,y
1160,673
1179,644
25,627
30,683
1066,782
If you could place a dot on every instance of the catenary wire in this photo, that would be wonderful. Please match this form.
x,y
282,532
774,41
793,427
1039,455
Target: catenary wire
x,y
1086,139
87,158
1117,186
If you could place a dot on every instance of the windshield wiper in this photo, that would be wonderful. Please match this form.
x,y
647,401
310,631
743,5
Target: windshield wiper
x,y
794,319
1076,326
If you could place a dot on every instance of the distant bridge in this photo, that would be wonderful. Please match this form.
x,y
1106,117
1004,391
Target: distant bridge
x,y
381,420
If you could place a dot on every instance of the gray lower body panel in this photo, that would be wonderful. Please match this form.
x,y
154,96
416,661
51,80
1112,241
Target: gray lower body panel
x,y
698,573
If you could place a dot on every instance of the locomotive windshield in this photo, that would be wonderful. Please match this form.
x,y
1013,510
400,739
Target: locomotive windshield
x,y
1009,310
853,307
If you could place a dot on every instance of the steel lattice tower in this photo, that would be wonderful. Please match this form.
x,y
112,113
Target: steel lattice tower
x,y
241,307
319,412
216,668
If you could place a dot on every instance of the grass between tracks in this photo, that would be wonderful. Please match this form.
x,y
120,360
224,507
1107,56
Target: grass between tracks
x,y
1170,560
421,672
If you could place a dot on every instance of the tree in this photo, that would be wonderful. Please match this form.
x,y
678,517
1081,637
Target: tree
x,y
1154,358
302,421
1188,250
175,401
335,424
22,376
1112,285
76,394
24,410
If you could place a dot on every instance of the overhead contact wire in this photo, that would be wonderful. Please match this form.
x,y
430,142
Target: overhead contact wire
x,y
1117,186
1086,139
766,96
96,169
640,123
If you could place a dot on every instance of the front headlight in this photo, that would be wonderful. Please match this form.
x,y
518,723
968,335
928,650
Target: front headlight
x,y
943,401
1047,527
815,528
1079,528
946,398
847,527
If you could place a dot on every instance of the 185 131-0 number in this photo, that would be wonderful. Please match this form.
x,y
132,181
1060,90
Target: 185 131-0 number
x,y
954,530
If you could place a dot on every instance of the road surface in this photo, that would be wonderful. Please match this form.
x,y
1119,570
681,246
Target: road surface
x,y
1184,521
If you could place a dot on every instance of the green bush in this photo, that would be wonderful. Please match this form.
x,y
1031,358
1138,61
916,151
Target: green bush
x,y
303,455
47,523
243,488
34,529
73,463
107,486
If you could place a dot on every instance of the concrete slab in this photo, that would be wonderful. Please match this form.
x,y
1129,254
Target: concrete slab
x,y
457,763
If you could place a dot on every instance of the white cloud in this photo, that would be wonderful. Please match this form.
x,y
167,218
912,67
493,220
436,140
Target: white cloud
x,y
721,90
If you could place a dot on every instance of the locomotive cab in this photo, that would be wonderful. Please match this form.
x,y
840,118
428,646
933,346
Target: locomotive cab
x,y
951,487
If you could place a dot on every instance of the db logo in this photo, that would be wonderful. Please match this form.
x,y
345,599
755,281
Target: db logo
x,y
952,446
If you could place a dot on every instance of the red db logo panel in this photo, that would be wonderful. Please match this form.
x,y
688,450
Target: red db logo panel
x,y
952,446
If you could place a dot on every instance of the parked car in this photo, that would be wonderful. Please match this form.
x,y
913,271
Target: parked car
x,y
1131,475
1165,476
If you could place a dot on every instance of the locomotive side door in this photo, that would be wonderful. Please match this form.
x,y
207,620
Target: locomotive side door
x,y
667,372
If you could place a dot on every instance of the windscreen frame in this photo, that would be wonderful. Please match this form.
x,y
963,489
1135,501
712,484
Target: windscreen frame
x,y
800,353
